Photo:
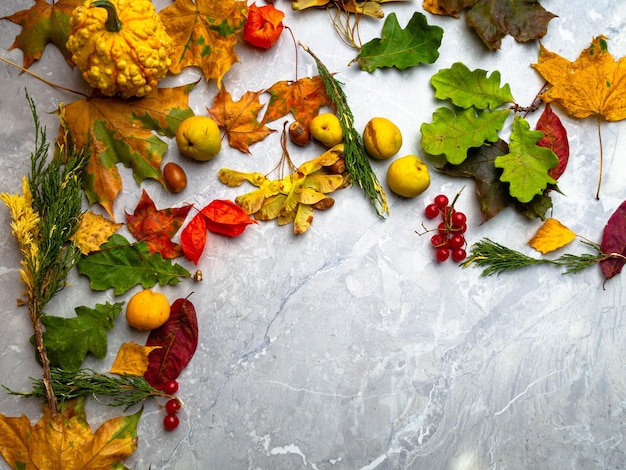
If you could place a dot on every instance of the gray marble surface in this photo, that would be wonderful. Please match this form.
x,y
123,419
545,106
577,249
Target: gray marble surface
x,y
349,347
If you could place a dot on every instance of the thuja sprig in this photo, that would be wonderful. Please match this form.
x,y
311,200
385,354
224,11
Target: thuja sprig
x,y
495,258
123,391
357,162
44,218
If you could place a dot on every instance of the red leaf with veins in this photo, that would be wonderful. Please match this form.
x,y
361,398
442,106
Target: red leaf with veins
x,y
554,138
193,238
157,227
614,241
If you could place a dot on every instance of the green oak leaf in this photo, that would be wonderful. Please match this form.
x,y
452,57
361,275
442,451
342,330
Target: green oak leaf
x,y
466,88
525,20
121,266
69,340
452,134
526,165
402,48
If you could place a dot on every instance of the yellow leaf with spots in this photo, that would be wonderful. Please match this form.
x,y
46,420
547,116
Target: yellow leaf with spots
x,y
594,84
132,359
551,236
94,230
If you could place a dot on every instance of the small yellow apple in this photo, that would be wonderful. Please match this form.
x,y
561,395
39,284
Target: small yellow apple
x,y
326,129
199,137
382,138
408,176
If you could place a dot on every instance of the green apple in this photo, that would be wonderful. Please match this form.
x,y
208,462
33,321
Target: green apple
x,y
199,137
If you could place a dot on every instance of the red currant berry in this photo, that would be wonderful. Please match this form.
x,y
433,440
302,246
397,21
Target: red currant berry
x,y
459,254
443,228
170,422
170,387
458,219
431,211
441,201
442,254
172,406
457,241
461,228
439,241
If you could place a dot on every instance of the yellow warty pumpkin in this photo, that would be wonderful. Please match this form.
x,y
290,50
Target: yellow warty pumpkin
x,y
120,46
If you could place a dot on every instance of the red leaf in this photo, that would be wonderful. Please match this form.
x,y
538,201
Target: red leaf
x,y
178,340
157,227
226,217
193,238
263,26
614,241
554,138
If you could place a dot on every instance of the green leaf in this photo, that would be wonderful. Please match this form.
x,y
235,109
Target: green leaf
x,y
466,88
453,134
402,48
526,165
121,266
69,340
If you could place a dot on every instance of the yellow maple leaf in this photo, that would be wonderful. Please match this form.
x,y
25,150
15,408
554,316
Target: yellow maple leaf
x,y
551,236
66,442
132,359
595,84
93,231
205,33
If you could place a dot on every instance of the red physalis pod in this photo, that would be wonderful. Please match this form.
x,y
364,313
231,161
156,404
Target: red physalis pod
x,y
263,26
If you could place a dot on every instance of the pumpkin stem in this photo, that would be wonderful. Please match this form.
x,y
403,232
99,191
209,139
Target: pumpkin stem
x,y
113,23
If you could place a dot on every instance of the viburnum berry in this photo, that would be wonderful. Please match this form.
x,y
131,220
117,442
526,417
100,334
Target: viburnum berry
x,y
441,200
458,219
431,211
459,254
172,406
442,254
170,387
457,241
171,422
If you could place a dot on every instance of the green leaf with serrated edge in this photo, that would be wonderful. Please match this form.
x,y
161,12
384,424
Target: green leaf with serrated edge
x,y
526,165
121,266
453,134
466,88
69,340
402,48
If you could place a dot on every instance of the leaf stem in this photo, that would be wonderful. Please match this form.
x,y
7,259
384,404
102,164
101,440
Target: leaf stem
x,y
601,158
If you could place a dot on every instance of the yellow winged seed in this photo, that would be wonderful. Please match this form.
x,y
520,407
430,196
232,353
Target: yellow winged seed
x,y
309,196
237,178
271,207
303,219
323,183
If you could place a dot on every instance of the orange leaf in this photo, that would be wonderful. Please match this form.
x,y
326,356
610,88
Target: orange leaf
x,y
131,359
551,236
205,33
120,131
226,217
595,84
303,99
43,23
239,119
66,441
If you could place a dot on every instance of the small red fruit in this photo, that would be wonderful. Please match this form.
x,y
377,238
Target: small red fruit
x,y
459,254
431,211
171,387
441,201
170,422
442,254
172,406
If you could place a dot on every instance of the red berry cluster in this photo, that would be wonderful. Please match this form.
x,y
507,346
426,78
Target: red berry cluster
x,y
449,239
171,421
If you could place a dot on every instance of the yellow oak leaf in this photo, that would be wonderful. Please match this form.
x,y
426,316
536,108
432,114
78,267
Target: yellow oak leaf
x,y
595,84
93,231
551,236
205,34
132,359
66,442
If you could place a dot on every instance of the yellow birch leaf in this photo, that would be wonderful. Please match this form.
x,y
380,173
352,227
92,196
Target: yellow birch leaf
x,y
551,236
94,230
132,359
66,442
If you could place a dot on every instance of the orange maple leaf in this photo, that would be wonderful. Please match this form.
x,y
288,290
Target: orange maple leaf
x,y
205,34
593,84
66,442
43,23
302,98
239,119
120,131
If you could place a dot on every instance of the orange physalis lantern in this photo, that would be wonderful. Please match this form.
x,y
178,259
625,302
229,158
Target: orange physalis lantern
x,y
264,26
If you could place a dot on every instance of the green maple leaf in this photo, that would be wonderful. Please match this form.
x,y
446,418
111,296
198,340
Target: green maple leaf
x,y
466,88
121,266
525,20
526,165
453,134
69,340
402,48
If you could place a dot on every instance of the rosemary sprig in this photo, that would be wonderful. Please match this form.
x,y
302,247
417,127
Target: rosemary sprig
x,y
496,258
357,162
123,391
